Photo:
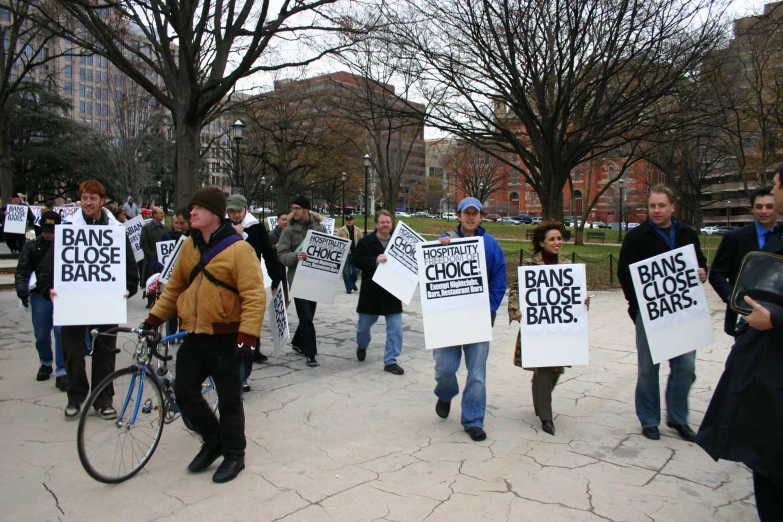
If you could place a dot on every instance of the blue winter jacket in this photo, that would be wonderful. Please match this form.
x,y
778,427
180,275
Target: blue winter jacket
x,y
496,267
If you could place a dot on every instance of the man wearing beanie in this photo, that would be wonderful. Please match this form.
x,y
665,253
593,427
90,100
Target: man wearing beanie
x,y
300,220
216,289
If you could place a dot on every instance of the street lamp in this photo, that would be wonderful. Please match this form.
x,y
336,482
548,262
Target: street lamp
x,y
367,165
448,205
343,177
622,189
312,194
237,127
263,197
728,214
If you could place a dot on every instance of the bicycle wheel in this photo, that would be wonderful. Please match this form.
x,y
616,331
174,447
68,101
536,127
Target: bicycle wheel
x,y
112,451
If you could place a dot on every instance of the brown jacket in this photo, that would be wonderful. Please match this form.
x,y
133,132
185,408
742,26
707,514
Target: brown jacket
x,y
514,311
343,232
205,308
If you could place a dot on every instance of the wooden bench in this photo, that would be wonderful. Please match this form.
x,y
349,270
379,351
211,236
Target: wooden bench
x,y
596,235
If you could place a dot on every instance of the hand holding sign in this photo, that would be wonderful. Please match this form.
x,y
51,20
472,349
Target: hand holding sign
x,y
381,259
759,318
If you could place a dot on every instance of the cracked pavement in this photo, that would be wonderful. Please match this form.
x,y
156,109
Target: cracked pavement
x,y
348,441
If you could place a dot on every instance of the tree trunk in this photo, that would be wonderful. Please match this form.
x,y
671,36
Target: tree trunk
x,y
188,152
6,169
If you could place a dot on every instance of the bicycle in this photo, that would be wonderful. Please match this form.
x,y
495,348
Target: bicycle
x,y
112,451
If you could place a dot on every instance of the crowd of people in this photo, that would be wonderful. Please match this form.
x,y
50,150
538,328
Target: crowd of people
x,y
216,294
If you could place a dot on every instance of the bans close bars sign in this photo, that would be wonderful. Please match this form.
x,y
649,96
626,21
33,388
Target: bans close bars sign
x,y
16,219
316,277
672,303
454,292
554,318
170,261
399,274
89,275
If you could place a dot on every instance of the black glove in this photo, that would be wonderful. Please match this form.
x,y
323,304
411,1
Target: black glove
x,y
145,326
25,301
244,353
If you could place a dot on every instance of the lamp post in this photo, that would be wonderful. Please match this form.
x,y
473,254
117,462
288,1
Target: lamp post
x,y
263,197
343,177
312,195
237,127
728,214
448,205
367,165
622,190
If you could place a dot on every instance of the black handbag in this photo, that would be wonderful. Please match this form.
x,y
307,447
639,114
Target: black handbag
x,y
761,278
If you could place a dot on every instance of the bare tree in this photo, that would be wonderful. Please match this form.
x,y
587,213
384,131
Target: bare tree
x,y
555,82
189,54
478,173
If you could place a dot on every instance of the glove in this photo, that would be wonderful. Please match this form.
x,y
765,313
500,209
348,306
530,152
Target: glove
x,y
25,301
145,326
244,353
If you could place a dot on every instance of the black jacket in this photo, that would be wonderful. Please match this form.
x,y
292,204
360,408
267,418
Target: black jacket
x,y
30,260
46,279
644,242
258,238
373,299
725,267
169,235
744,421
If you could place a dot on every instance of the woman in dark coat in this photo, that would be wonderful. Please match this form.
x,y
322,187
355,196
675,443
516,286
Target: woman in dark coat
x,y
374,301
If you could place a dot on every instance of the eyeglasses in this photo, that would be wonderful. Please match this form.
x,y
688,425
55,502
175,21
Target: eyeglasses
x,y
296,207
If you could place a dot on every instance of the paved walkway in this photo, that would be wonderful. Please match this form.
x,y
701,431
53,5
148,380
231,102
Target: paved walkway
x,y
347,441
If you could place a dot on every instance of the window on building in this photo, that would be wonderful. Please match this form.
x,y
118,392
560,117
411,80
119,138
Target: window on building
x,y
514,196
577,175
82,73
88,108
68,55
67,88
5,15
67,71
88,91
533,199
81,106
89,75
104,77
612,171
82,89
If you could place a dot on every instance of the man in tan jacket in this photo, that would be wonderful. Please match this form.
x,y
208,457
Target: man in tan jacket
x,y
216,290
350,272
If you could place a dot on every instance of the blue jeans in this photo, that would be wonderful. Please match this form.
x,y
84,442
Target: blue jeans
x,y
350,274
474,397
648,392
43,323
393,335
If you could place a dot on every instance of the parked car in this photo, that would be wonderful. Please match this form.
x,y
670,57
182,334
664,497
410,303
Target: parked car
x,y
402,214
569,222
492,217
598,224
423,214
536,221
709,230
509,220
525,218
721,231
449,215
631,225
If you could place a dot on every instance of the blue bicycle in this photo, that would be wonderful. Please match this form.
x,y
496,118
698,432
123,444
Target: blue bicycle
x,y
112,451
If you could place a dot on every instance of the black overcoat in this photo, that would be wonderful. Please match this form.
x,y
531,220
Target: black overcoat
x,y
373,300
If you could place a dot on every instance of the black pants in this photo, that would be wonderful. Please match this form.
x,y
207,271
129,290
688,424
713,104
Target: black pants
x,y
544,381
15,242
769,497
103,357
304,338
199,356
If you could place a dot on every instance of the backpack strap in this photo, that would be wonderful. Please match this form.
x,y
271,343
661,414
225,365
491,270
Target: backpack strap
x,y
201,266
453,234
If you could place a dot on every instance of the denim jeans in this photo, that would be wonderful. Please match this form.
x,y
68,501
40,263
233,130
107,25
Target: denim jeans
x,y
304,337
474,397
682,375
350,274
393,335
43,323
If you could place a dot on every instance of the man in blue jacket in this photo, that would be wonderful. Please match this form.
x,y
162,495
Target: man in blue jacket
x,y
447,360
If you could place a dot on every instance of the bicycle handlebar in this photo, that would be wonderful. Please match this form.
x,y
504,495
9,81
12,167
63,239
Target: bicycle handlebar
x,y
153,338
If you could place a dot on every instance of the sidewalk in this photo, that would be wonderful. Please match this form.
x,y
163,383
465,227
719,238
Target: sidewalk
x,y
348,441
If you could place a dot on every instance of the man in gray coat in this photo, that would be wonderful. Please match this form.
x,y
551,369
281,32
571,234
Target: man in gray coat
x,y
300,220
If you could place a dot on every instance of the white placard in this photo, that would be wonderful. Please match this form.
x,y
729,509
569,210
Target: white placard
x,y
553,328
454,292
399,275
317,276
280,327
37,211
133,229
272,220
265,273
66,212
329,224
164,250
672,303
15,219
89,275
168,266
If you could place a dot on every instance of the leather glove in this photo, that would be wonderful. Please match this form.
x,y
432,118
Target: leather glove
x,y
145,326
25,301
244,353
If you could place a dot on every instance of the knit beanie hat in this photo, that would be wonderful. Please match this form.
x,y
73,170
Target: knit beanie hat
x,y
302,202
210,198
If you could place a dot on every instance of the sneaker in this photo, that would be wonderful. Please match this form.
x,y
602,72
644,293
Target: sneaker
x,y
62,382
259,357
395,368
361,354
72,411
476,433
442,408
106,412
311,361
245,387
43,373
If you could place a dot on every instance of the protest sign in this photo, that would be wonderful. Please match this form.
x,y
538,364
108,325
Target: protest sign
x,y
672,303
316,277
554,316
280,318
329,224
15,219
399,275
164,249
37,211
168,266
89,275
66,212
133,229
272,220
454,292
